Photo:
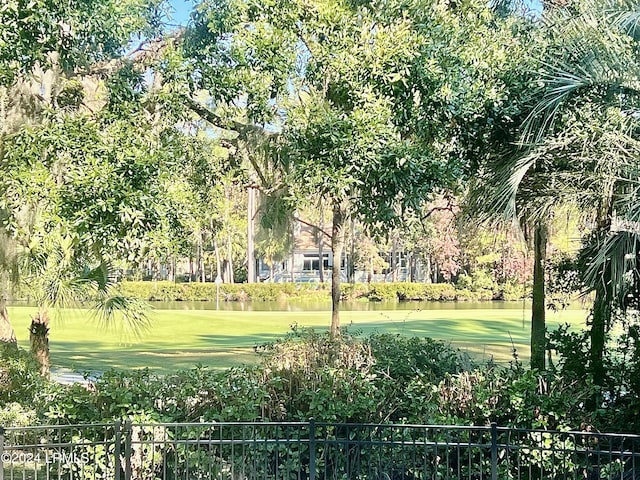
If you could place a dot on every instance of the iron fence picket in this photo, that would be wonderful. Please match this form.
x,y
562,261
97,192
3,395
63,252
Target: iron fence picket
x,y
311,451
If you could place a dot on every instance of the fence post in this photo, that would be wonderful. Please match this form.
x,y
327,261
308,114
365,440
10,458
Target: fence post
x,y
127,450
312,449
494,451
1,453
117,427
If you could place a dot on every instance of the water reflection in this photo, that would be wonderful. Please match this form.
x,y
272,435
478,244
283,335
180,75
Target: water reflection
x,y
315,306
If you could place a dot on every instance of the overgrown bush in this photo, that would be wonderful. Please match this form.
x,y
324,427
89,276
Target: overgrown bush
x,y
15,414
403,358
513,397
378,378
465,295
512,291
618,398
20,379
196,291
476,281
404,291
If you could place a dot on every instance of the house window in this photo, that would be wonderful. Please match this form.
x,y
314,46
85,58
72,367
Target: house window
x,y
311,262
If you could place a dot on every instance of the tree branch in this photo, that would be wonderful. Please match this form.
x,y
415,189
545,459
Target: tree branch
x,y
317,228
145,53
448,208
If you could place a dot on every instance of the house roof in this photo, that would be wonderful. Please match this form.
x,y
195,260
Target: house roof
x,y
307,239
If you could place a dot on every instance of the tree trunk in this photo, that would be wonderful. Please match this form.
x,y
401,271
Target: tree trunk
x,y
172,269
394,259
230,257
39,339
538,327
427,269
337,246
228,197
321,245
600,320
352,254
251,214
203,272
412,268
218,263
7,333
293,254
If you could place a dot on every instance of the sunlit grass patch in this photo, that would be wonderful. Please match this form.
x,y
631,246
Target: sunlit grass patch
x,y
183,338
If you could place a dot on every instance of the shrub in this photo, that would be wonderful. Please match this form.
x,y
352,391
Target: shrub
x,y
20,379
17,415
403,358
513,291
479,282
464,295
440,291
513,397
170,291
375,379
355,291
379,292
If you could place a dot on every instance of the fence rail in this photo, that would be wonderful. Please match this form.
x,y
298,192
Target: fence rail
x,y
311,451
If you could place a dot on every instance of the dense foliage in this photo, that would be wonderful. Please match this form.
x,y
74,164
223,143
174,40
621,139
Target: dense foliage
x,y
471,289
387,113
381,378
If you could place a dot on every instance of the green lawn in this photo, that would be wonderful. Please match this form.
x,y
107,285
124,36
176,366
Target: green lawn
x,y
183,338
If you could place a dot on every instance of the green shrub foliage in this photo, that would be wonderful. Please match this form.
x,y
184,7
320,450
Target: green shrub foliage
x,y
376,292
380,378
20,379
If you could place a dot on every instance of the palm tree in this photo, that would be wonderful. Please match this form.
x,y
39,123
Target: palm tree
x,y
579,147
58,276
516,189
597,82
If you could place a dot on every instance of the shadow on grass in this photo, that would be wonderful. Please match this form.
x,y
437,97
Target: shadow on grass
x,y
487,337
101,356
483,339
239,340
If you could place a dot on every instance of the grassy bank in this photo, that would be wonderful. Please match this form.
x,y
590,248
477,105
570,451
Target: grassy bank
x,y
183,338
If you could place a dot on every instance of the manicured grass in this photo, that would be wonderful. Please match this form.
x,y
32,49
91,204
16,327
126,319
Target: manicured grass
x,y
183,338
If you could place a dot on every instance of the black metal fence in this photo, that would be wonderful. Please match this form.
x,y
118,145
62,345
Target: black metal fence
x,y
312,451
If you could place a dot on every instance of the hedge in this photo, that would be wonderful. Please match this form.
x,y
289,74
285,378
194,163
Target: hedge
x,y
398,291
196,291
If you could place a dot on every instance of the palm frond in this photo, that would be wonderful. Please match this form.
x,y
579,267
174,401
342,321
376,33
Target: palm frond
x,y
99,276
60,292
626,17
596,63
126,315
611,261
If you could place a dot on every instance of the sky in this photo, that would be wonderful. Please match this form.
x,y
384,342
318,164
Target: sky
x,y
181,9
